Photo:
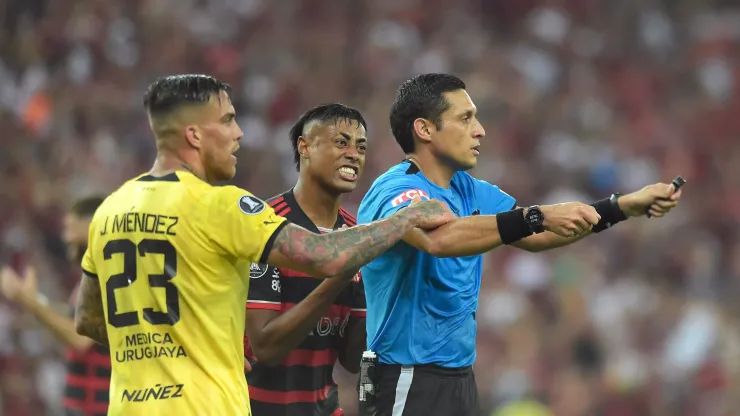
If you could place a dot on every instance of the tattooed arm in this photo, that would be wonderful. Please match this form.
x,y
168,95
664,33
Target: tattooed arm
x,y
89,315
341,252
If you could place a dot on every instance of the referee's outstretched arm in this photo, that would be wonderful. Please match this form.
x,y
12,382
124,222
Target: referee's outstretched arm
x,y
562,224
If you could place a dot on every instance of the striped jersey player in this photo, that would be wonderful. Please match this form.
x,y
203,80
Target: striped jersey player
x,y
298,326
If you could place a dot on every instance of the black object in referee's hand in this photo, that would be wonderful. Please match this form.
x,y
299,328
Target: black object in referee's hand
x,y
677,184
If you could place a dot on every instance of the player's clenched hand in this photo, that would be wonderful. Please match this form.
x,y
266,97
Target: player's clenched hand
x,y
570,219
12,285
429,214
658,199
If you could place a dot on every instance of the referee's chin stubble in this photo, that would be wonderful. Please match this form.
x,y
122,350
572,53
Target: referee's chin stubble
x,y
467,162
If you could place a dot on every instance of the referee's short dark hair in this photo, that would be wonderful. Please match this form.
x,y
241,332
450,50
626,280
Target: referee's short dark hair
x,y
420,97
333,112
86,207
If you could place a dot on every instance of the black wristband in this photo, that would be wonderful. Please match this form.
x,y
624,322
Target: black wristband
x,y
610,213
512,227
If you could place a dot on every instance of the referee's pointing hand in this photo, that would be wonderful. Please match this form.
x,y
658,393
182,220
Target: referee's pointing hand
x,y
657,199
571,219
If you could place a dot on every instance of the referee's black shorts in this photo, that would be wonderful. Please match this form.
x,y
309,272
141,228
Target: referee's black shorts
x,y
423,390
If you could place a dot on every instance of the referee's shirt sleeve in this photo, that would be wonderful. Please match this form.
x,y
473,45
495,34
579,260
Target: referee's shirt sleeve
x,y
389,195
491,199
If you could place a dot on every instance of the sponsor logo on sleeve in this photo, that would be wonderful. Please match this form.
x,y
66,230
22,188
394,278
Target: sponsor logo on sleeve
x,y
251,205
257,270
406,196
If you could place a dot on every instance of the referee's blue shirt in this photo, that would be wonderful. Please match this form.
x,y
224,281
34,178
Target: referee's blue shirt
x,y
421,308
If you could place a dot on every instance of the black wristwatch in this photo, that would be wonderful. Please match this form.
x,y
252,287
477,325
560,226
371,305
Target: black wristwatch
x,y
534,219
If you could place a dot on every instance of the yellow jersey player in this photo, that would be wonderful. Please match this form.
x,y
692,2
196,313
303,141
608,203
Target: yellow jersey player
x,y
166,272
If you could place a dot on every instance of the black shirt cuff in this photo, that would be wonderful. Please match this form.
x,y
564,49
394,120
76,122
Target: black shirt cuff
x,y
270,242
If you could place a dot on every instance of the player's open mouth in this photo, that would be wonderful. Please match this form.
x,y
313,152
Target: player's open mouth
x,y
348,173
476,150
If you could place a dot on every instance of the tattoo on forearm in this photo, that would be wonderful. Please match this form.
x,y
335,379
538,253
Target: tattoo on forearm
x,y
89,314
348,250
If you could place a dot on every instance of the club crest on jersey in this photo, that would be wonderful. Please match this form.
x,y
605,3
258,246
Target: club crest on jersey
x,y
257,270
406,196
251,205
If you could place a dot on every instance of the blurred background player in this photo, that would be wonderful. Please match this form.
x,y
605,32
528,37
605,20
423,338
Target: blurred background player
x,y
88,363
433,280
166,273
298,326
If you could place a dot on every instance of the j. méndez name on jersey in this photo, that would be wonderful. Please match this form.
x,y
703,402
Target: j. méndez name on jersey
x,y
172,258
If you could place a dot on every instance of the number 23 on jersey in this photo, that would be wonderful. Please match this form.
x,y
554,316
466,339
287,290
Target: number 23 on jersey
x,y
131,254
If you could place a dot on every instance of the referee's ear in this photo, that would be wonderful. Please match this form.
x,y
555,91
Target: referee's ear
x,y
423,129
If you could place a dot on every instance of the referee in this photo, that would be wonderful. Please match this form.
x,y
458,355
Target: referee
x,y
422,295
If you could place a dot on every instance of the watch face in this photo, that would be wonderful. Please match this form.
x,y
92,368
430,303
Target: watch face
x,y
535,216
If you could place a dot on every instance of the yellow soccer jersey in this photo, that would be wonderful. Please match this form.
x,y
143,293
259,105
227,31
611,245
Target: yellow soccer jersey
x,y
172,257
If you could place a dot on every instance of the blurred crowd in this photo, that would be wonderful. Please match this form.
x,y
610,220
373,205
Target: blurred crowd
x,y
579,98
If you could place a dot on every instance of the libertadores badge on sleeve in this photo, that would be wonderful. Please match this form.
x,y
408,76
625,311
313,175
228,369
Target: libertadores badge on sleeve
x,y
251,205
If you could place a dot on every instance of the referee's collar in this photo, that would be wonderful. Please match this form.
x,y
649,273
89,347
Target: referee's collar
x,y
413,167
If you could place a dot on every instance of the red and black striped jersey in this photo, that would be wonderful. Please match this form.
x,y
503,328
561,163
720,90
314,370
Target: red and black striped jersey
x,y
302,384
88,379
